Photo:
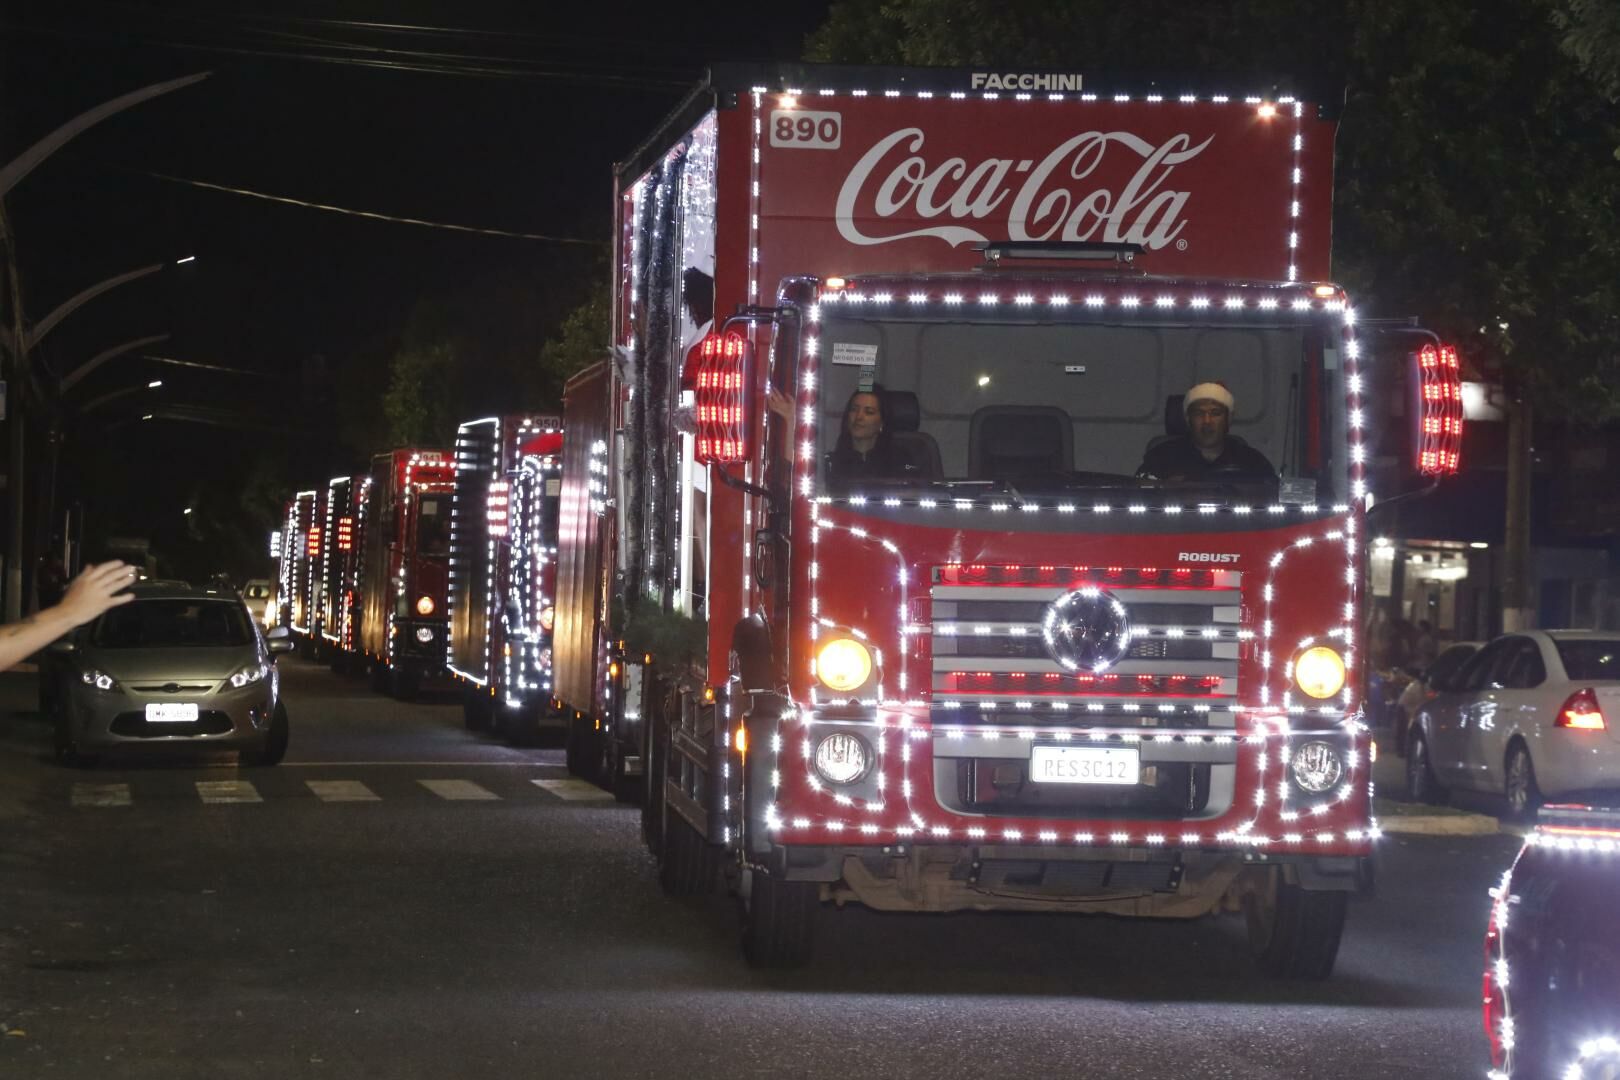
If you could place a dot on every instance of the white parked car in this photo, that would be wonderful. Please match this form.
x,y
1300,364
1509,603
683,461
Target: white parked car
x,y
1530,715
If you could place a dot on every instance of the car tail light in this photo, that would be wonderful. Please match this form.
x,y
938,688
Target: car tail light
x,y
1581,712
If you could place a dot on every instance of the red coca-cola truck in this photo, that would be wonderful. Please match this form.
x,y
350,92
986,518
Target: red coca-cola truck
x,y
1012,452
503,571
300,577
347,500
404,571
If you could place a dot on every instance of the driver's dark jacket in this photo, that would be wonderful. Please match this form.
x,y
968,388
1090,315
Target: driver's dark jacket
x,y
884,461
1178,459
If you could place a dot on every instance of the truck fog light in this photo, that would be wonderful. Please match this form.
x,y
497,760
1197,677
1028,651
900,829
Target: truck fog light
x,y
1317,766
842,758
1319,671
424,634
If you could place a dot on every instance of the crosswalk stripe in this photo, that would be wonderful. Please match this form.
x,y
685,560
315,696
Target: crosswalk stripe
x,y
100,794
341,791
227,791
573,790
457,789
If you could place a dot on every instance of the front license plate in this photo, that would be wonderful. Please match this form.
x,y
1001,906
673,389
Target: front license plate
x,y
1084,765
172,713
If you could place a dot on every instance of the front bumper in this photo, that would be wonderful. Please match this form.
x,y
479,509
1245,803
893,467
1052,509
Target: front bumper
x,y
419,644
228,719
1235,783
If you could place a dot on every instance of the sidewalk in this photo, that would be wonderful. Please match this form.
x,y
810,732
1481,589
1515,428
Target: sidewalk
x,y
1397,815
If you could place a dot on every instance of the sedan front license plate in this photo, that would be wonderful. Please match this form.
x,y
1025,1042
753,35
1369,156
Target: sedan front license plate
x,y
185,713
1085,765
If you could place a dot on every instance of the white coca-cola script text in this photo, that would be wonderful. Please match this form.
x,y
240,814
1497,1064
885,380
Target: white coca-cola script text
x,y
1041,200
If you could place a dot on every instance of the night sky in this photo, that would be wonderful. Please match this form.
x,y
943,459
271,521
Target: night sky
x,y
526,144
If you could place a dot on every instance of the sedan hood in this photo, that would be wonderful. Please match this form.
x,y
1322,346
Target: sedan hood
x,y
194,665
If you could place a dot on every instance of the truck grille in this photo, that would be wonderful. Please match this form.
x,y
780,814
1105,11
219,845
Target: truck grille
x,y
990,657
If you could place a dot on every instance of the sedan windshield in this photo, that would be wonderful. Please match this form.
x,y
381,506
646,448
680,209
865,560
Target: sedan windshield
x,y
1044,405
1591,658
166,624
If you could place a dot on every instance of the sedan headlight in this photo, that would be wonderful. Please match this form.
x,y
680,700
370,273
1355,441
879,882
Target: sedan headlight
x,y
249,675
843,664
98,679
842,758
1319,672
1317,766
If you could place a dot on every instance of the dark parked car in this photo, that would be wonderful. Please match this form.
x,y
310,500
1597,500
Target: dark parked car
x,y
177,667
1552,952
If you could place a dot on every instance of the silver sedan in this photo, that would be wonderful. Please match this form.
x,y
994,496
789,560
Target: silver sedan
x,y
1531,715
176,668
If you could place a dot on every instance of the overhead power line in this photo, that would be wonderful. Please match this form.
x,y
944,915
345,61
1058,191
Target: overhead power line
x,y
373,215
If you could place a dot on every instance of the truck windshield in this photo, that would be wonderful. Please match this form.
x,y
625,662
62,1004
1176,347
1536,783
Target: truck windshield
x,y
433,525
1044,405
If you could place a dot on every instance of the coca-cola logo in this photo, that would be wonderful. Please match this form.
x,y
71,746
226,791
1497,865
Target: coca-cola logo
x,y
1047,199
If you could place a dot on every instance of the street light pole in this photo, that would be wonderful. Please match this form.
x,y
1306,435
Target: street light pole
x,y
20,371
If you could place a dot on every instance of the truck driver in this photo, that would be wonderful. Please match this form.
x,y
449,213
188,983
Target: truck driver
x,y
1208,450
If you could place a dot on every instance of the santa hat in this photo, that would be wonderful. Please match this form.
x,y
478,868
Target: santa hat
x,y
1209,391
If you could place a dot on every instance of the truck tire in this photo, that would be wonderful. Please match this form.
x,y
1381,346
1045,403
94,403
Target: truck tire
x,y
475,709
652,794
689,866
404,683
578,751
779,919
1294,933
377,676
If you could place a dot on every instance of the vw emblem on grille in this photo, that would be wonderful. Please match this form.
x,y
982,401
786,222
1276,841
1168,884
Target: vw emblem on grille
x,y
1086,629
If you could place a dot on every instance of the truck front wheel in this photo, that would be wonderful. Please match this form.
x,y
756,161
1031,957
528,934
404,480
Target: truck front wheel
x,y
779,919
1294,932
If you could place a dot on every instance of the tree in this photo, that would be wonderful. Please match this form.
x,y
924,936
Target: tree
x,y
1475,182
581,339
1591,35
423,402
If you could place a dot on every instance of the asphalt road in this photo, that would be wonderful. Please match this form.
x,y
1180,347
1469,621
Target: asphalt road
x,y
403,899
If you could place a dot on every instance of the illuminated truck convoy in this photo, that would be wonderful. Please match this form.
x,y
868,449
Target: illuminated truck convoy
x,y
1009,453
503,571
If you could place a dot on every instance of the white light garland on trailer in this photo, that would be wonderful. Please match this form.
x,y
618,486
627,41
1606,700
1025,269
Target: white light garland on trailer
x,y
1579,842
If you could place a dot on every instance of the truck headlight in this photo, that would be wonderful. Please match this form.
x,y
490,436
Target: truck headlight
x,y
842,758
424,605
424,635
1319,672
548,617
1317,766
843,664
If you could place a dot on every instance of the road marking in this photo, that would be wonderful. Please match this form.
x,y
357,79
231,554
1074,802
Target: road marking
x,y
227,791
457,789
341,791
573,790
100,794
